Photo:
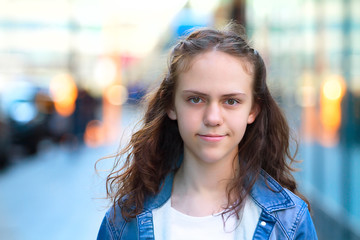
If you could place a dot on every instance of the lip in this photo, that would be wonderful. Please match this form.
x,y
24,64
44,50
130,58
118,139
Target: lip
x,y
211,137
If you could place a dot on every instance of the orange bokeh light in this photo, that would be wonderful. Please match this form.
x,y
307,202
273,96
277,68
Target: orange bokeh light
x,y
64,93
332,91
116,94
94,135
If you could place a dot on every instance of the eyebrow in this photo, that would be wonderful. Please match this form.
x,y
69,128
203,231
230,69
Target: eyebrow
x,y
204,94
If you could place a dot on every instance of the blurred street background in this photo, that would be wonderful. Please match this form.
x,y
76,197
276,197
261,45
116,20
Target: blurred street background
x,y
73,73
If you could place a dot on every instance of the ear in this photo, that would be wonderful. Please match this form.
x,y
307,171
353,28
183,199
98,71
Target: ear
x,y
171,114
253,113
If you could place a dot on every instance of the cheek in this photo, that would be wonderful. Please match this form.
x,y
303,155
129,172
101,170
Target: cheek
x,y
240,129
187,122
238,123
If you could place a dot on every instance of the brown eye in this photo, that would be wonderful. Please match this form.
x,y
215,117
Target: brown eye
x,y
231,101
195,100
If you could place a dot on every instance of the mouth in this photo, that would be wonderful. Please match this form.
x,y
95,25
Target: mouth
x,y
211,137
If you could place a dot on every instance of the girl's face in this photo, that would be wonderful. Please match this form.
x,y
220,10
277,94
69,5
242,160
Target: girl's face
x,y
213,105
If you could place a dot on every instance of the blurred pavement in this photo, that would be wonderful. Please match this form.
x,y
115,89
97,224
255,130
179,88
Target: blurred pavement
x,y
57,193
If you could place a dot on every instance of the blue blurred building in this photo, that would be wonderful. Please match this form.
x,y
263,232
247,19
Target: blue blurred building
x,y
312,51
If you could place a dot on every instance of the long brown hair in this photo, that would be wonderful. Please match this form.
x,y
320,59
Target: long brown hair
x,y
154,150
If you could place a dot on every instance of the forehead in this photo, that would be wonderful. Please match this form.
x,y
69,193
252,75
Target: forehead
x,y
186,62
216,69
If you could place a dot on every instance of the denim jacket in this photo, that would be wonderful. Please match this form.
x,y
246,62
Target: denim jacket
x,y
283,216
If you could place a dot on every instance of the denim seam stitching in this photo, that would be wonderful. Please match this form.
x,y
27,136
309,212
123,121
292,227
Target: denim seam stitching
x,y
299,216
282,227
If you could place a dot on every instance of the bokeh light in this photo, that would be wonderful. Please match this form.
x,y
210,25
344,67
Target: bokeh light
x,y
64,93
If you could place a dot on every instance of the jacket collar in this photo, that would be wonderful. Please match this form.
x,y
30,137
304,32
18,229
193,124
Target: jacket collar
x,y
266,192
164,194
159,199
269,195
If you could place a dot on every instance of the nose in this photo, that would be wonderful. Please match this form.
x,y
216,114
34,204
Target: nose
x,y
213,115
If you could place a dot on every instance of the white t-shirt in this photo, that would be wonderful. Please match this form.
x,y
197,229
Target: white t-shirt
x,y
170,224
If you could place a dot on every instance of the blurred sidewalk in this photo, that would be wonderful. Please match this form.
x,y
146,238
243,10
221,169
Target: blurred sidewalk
x,y
57,194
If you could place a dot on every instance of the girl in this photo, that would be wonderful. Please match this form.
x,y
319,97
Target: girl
x,y
211,160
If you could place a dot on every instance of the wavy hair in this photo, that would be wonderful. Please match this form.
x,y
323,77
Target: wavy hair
x,y
154,149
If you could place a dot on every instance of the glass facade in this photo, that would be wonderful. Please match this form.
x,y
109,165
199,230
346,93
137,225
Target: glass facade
x,y
312,52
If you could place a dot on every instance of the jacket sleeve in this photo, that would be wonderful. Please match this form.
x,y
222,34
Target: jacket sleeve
x,y
114,227
105,232
306,228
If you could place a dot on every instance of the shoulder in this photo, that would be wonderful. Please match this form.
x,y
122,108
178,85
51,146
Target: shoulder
x,y
271,196
289,212
296,221
114,226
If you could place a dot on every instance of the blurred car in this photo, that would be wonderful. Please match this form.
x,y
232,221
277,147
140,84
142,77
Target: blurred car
x,y
4,142
27,109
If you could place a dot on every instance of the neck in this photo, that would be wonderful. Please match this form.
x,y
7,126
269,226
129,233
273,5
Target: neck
x,y
210,178
202,184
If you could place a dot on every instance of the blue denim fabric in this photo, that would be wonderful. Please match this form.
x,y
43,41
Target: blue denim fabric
x,y
283,216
